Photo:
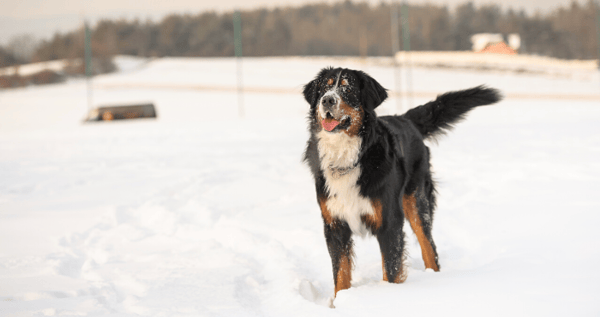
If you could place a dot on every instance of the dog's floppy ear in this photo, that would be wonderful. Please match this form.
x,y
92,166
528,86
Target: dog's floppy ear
x,y
310,92
372,94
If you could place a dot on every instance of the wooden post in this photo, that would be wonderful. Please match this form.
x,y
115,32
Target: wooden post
x,y
363,45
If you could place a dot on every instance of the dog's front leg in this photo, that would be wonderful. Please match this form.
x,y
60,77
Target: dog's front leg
x,y
391,244
339,243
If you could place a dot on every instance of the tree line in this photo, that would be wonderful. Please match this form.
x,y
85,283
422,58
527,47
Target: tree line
x,y
345,28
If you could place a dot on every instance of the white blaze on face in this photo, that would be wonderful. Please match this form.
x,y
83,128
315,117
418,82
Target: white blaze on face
x,y
331,92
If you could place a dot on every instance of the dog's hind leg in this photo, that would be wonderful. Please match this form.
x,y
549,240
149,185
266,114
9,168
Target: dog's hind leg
x,y
418,209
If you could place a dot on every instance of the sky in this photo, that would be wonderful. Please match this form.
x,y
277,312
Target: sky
x,y
43,18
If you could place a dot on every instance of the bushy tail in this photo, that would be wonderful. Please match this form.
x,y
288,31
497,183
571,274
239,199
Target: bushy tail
x,y
438,116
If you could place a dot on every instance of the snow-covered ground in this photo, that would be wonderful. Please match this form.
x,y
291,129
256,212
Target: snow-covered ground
x,y
201,213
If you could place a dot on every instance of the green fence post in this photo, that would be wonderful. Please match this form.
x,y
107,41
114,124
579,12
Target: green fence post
x,y
598,30
395,49
88,63
406,47
237,38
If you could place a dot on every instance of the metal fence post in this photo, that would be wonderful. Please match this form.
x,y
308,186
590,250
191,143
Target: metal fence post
x,y
237,35
395,49
88,63
406,47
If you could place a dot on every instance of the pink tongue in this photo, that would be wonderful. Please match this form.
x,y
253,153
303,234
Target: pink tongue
x,y
329,124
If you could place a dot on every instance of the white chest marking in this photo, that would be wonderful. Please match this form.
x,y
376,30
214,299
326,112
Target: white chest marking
x,y
345,201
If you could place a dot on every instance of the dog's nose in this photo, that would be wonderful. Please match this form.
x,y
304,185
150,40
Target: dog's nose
x,y
328,101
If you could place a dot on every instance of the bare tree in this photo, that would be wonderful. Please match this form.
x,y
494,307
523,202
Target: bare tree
x,y
22,46
331,29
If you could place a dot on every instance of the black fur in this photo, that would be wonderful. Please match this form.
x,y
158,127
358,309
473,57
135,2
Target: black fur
x,y
436,116
393,161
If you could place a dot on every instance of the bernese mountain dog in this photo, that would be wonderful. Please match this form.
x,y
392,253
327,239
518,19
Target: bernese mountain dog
x,y
371,173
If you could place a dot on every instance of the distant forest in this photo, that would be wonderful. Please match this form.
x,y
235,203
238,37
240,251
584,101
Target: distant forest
x,y
323,29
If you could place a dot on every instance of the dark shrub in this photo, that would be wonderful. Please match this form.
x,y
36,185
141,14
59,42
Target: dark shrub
x,y
45,77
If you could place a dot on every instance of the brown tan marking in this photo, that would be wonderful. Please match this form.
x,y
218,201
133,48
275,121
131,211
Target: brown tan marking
x,y
356,116
400,278
385,277
375,220
344,274
409,203
325,211
330,81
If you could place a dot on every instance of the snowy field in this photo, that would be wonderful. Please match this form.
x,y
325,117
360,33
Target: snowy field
x,y
203,213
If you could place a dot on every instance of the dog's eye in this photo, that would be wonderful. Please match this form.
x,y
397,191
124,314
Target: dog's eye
x,y
344,82
330,81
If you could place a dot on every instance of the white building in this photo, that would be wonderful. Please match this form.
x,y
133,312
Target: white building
x,y
483,40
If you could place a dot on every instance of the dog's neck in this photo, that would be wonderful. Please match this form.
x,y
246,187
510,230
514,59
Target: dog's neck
x,y
338,172
338,152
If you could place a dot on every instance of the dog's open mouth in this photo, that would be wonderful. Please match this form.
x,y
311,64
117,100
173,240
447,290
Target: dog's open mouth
x,y
330,123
